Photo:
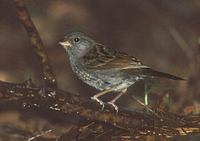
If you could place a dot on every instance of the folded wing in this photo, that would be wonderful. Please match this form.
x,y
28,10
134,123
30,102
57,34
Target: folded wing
x,y
100,57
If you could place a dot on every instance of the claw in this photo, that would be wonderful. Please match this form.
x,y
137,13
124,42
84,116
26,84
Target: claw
x,y
99,101
115,106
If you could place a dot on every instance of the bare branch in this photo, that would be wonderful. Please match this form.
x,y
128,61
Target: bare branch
x,y
36,41
134,123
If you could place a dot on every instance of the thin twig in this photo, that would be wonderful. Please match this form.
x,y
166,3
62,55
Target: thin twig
x,y
39,135
181,42
147,107
36,42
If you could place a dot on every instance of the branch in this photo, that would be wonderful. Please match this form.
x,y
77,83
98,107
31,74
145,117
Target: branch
x,y
134,123
36,41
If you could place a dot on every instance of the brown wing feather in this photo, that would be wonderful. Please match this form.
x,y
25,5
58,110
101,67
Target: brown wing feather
x,y
101,57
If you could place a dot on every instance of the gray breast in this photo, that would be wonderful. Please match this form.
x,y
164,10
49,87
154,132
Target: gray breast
x,y
102,79
89,78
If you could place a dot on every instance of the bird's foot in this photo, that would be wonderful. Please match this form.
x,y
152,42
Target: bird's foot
x,y
114,105
99,101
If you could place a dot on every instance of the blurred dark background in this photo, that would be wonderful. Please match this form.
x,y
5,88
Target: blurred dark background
x,y
145,29
165,34
162,33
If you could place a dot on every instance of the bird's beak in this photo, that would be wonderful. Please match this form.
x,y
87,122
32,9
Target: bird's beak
x,y
65,44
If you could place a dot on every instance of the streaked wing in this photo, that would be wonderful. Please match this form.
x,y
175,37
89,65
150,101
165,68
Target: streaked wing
x,y
100,57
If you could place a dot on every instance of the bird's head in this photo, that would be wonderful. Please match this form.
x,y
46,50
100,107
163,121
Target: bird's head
x,y
77,43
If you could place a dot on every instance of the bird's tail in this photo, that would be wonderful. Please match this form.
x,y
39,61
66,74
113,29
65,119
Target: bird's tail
x,y
151,72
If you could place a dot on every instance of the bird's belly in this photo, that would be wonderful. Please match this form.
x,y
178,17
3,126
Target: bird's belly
x,y
115,79
103,79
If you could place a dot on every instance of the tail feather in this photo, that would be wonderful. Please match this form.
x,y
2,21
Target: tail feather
x,y
151,72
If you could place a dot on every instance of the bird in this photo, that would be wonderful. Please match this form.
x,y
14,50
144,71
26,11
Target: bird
x,y
105,68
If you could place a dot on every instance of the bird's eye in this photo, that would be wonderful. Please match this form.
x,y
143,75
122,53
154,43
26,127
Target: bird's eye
x,y
76,39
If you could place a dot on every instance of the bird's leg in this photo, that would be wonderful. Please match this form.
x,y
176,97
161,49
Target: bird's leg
x,y
112,102
96,96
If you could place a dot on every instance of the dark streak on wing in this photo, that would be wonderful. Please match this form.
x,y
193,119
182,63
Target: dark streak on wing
x,y
100,57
